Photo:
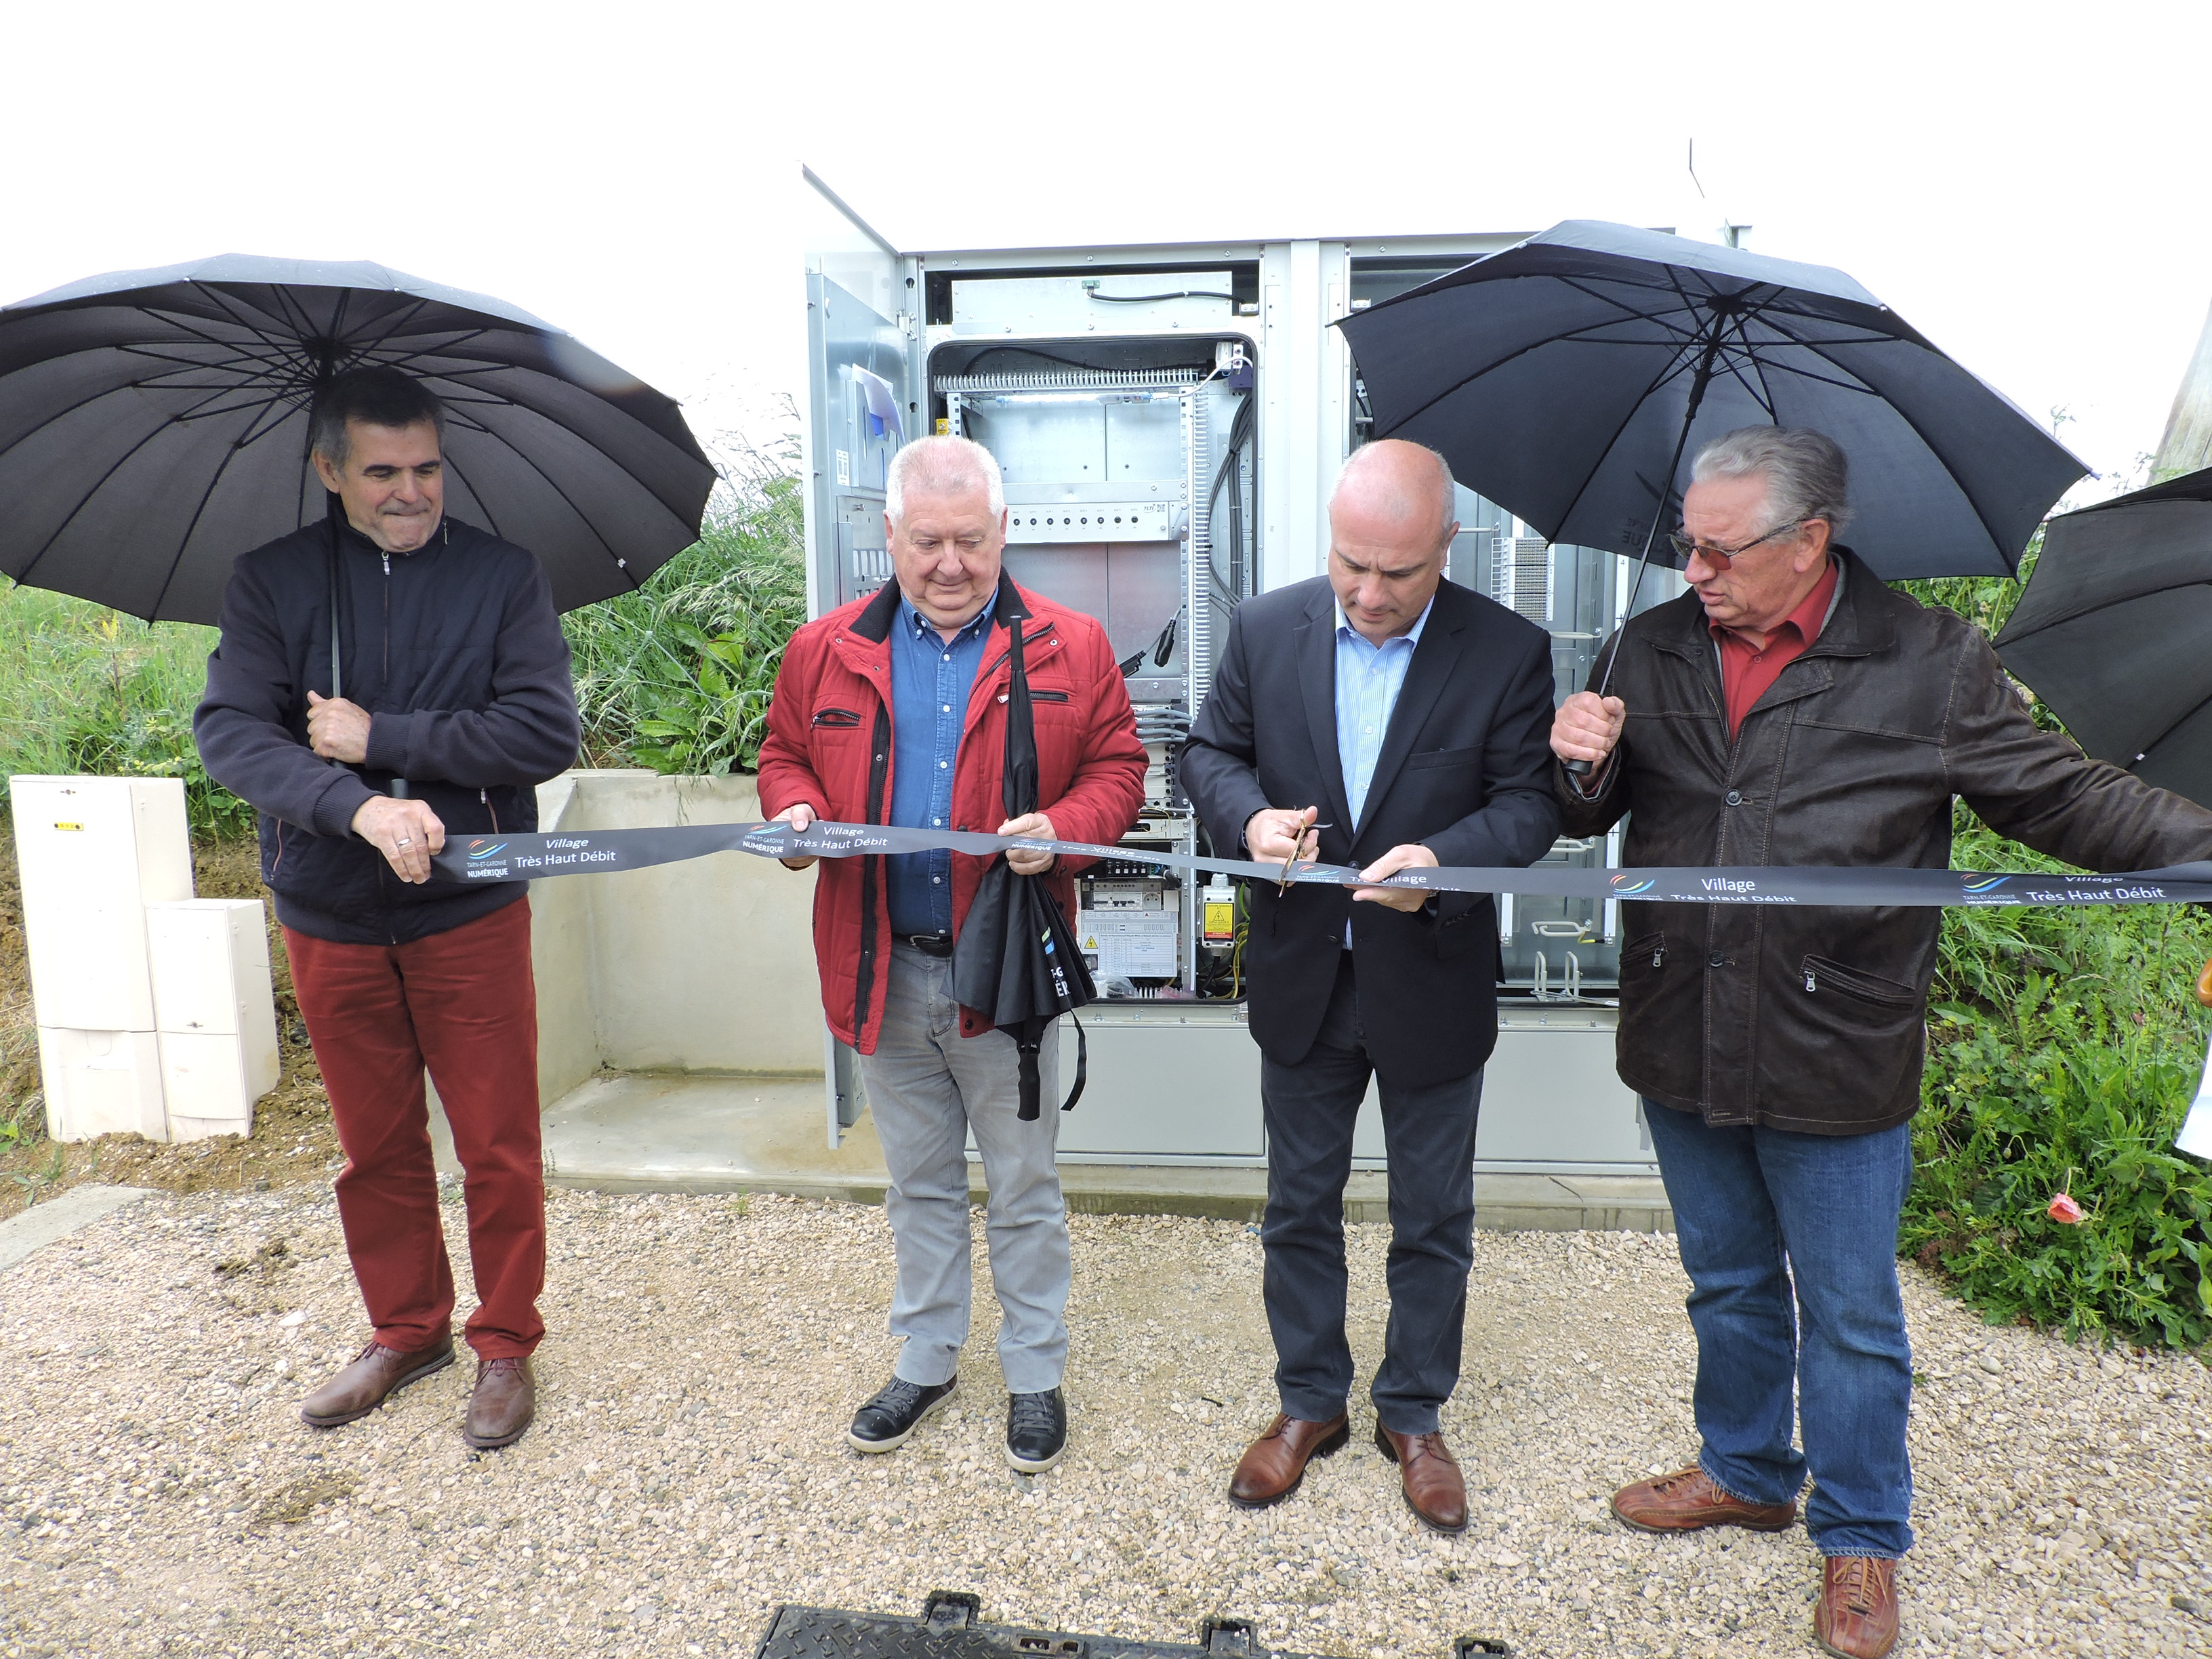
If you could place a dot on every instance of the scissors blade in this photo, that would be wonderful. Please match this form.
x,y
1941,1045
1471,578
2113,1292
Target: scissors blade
x,y
1283,884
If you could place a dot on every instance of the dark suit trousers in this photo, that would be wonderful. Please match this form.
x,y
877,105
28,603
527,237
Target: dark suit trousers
x,y
1429,1133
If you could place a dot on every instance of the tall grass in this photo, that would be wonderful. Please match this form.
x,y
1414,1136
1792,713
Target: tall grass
x,y
85,688
678,675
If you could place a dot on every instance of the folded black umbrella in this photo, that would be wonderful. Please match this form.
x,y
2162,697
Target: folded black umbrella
x,y
2111,632
154,426
1017,960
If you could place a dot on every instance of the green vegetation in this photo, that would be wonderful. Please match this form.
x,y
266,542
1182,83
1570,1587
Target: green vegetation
x,y
2063,1050
678,675
83,689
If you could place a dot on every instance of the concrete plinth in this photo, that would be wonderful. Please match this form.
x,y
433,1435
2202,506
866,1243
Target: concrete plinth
x,y
668,1132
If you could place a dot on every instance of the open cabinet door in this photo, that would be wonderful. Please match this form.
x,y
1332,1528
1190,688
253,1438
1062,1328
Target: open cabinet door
x,y
864,399
864,393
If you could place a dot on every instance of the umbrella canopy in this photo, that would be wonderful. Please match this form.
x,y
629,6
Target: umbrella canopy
x,y
1560,376
154,426
1017,960
2111,632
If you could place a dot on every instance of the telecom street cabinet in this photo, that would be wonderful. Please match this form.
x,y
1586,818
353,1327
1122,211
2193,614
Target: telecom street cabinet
x,y
1169,421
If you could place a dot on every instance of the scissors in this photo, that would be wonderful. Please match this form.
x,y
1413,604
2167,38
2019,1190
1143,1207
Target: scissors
x,y
1283,885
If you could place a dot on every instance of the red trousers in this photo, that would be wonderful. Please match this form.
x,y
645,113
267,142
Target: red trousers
x,y
463,1003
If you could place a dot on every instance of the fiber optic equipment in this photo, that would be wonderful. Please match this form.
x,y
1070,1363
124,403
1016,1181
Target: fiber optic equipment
x,y
1169,421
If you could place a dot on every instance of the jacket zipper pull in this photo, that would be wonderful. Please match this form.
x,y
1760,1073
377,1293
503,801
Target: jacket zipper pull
x,y
387,564
1809,984
1659,957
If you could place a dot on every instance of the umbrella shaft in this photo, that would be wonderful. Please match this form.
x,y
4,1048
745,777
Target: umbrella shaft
x,y
1704,378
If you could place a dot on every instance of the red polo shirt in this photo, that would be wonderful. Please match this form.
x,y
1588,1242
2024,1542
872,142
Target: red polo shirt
x,y
1745,673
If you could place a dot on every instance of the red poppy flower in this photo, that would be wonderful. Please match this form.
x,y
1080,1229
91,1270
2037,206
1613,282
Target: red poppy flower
x,y
2063,1208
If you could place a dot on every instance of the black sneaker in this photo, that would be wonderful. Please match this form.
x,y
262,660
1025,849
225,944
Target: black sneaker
x,y
885,1422
1036,1431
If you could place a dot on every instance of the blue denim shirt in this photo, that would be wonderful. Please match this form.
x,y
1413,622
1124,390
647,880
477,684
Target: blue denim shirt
x,y
929,683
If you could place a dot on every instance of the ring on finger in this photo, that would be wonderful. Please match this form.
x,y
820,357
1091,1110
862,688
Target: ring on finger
x,y
405,840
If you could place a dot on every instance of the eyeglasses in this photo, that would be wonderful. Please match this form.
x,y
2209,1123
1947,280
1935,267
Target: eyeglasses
x,y
1721,557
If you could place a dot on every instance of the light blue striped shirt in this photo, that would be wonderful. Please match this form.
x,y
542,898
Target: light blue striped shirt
x,y
1369,677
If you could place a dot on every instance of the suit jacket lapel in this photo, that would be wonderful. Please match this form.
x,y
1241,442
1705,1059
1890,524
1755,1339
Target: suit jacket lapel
x,y
1434,659
1315,656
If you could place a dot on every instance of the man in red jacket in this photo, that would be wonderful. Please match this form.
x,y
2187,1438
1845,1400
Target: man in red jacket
x,y
893,710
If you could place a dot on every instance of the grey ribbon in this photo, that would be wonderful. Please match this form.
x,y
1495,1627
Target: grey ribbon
x,y
583,851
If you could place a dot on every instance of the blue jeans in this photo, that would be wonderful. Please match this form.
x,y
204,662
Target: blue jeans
x,y
1756,1209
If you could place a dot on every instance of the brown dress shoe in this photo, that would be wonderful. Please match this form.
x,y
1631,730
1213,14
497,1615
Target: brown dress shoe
x,y
1855,1617
1687,1499
373,1376
1272,1465
1435,1489
504,1401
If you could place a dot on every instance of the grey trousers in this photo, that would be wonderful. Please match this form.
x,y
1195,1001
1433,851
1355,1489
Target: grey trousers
x,y
1429,1133
927,1086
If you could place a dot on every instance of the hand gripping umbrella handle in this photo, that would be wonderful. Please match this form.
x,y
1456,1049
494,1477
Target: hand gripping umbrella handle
x,y
1581,769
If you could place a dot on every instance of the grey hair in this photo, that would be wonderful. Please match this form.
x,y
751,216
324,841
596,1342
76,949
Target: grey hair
x,y
942,466
1805,473
1371,454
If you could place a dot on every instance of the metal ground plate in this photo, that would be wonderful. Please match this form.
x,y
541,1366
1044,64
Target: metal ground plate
x,y
949,1628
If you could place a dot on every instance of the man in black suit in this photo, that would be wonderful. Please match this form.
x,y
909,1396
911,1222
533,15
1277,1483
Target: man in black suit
x,y
1415,715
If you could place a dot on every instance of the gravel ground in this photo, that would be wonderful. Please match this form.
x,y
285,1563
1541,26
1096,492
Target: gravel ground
x,y
688,1472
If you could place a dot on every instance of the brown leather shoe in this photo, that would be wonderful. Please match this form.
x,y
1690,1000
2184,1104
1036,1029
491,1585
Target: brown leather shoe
x,y
504,1401
1855,1617
370,1378
1687,1499
1272,1465
1435,1489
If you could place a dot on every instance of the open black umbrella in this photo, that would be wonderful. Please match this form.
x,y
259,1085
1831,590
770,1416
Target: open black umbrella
x,y
1017,960
153,427
1564,377
2111,631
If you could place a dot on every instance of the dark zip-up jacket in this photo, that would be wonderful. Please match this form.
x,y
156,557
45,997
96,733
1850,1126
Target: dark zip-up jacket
x,y
1814,1019
456,652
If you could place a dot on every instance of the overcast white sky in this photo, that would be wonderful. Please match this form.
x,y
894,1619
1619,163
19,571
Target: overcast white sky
x,y
2023,182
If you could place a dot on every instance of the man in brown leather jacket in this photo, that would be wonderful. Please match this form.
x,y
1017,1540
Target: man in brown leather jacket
x,y
1794,710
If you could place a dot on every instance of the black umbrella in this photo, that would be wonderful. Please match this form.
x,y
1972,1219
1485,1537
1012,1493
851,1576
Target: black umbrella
x,y
1564,377
153,427
1559,376
1017,960
2111,631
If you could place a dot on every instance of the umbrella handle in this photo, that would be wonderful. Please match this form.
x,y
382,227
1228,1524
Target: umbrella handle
x,y
2204,985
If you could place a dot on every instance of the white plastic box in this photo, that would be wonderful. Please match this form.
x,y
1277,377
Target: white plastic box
x,y
93,853
101,1082
214,1011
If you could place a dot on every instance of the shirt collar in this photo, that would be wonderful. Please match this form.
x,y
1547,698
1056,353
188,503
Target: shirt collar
x,y
1411,636
914,623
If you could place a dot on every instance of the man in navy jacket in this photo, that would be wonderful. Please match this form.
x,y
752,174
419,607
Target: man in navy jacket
x,y
456,703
